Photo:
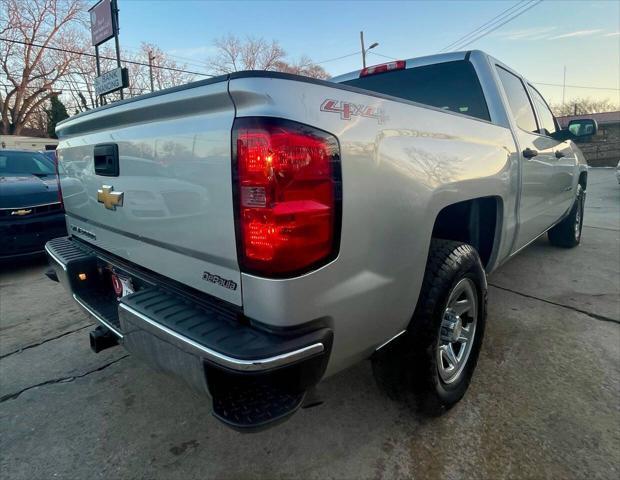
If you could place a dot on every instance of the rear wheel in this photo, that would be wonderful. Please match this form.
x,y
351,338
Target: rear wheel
x,y
437,357
567,233
457,331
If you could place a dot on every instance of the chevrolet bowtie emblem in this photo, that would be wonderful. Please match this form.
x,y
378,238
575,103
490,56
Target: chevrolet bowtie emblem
x,y
110,199
21,212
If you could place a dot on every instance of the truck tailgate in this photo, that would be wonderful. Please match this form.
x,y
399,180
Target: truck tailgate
x,y
174,177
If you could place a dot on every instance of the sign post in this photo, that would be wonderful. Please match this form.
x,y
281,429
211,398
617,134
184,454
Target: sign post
x,y
104,26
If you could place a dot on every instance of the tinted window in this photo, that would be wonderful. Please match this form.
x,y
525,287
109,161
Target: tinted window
x,y
25,163
519,102
545,117
451,86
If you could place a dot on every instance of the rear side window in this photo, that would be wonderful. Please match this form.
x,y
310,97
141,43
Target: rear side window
x,y
450,86
518,100
547,123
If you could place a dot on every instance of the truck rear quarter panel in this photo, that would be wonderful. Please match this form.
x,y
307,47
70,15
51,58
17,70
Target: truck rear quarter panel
x,y
398,172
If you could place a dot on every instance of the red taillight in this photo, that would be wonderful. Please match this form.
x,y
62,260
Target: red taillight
x,y
288,198
384,67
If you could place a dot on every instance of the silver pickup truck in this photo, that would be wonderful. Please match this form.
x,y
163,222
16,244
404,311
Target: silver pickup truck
x,y
257,232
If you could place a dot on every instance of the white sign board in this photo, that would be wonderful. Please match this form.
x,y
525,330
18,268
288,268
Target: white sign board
x,y
109,81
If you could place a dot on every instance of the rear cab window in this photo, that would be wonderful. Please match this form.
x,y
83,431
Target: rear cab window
x,y
452,86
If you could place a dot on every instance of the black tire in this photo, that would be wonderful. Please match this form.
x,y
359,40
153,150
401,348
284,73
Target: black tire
x,y
567,233
411,364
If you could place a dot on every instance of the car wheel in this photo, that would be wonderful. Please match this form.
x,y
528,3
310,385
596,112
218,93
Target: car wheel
x,y
567,233
437,357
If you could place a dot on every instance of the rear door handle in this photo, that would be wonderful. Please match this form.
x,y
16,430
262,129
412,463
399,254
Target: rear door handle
x,y
558,154
530,153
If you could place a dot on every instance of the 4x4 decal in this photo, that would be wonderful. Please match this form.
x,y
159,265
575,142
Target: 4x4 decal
x,y
348,110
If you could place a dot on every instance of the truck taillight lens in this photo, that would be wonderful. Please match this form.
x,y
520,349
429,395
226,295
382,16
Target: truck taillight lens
x,y
288,195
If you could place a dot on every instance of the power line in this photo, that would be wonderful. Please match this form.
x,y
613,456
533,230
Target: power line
x,y
484,34
506,19
381,55
73,89
63,80
186,60
71,83
484,25
75,52
63,89
337,58
575,86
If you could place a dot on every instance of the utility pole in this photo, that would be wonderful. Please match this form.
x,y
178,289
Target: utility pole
x,y
151,58
364,50
116,29
564,87
99,99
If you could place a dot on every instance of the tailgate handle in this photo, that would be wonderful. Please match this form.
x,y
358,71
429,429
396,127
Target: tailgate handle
x,y
106,159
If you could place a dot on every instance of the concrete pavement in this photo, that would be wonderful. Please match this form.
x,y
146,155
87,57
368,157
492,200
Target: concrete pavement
x,y
544,402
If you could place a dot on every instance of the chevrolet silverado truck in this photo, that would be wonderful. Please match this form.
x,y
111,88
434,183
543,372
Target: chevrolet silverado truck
x,y
257,232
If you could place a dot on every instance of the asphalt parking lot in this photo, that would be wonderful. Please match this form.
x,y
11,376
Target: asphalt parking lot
x,y
544,402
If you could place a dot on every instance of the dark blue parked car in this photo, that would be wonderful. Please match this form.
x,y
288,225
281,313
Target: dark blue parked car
x,y
31,211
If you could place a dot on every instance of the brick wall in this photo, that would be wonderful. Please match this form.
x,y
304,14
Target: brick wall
x,y
603,149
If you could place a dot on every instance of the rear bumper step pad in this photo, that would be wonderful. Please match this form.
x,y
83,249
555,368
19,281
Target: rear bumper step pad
x,y
256,377
216,336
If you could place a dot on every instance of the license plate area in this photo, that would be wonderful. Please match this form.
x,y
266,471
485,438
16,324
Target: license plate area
x,y
122,284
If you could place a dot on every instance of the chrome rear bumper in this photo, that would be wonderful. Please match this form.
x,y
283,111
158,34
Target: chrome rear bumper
x,y
212,347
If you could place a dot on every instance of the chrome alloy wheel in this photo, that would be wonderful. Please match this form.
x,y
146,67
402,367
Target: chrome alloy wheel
x,y
458,329
579,216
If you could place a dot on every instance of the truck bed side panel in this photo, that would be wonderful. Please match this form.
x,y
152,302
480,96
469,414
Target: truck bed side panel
x,y
398,172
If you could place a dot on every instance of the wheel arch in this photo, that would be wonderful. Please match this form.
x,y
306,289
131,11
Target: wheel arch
x,y
476,221
583,179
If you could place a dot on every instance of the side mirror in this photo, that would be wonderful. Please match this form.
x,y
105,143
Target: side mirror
x,y
579,129
583,127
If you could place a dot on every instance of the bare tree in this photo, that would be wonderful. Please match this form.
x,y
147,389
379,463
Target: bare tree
x,y
79,86
166,71
304,67
37,121
228,57
258,54
253,54
29,73
583,106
